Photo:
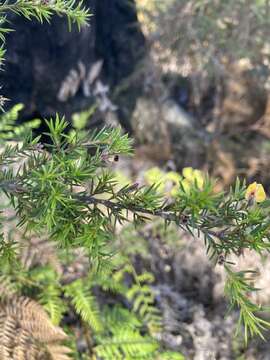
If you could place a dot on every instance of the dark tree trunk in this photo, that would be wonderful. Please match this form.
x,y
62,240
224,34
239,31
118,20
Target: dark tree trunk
x,y
40,58
119,40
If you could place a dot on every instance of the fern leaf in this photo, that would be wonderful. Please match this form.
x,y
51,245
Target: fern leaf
x,y
25,348
7,287
26,332
143,299
8,127
85,304
51,300
120,317
15,342
126,344
58,352
33,318
8,327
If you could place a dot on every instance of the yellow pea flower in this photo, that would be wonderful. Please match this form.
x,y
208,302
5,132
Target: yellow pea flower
x,y
255,192
186,185
188,173
193,175
155,175
168,183
173,178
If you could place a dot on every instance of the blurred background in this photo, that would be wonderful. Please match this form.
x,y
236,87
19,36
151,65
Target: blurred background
x,y
189,80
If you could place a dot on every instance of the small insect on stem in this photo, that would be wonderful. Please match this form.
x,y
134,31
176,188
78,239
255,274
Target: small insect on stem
x,y
183,219
221,259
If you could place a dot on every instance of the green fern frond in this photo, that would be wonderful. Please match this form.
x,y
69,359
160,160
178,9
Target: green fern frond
x,y
8,287
126,344
46,281
143,299
9,130
85,304
108,273
109,284
51,300
119,317
120,273
145,277
10,116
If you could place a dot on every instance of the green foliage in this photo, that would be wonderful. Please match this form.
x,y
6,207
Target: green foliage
x,y
68,193
237,288
9,130
84,303
43,10
117,331
55,188
143,300
49,292
127,344
66,190
124,339
79,120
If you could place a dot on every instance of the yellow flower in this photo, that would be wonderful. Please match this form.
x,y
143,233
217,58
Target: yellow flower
x,y
172,180
255,192
193,175
186,185
155,176
167,183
